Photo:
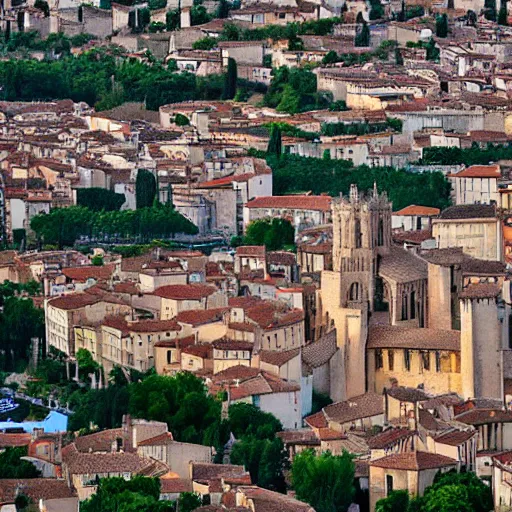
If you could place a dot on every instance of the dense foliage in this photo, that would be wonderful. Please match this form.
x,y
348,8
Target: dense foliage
x,y
450,492
63,226
274,234
145,189
97,199
115,494
258,448
438,155
333,129
12,466
324,481
292,174
275,142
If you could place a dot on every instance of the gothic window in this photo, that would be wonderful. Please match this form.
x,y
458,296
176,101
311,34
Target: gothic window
x,y
354,293
358,237
379,361
407,360
380,233
391,360
425,360
404,306
413,305
438,361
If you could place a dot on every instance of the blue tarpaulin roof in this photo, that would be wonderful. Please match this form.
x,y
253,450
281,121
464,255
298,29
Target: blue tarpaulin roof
x,y
54,422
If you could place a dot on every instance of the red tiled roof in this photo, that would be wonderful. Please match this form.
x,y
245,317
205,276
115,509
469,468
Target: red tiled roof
x,y
479,171
322,203
270,315
227,180
74,301
317,420
185,291
82,274
392,336
243,302
238,372
362,406
413,209
455,437
278,358
98,441
177,342
242,326
14,440
262,384
202,316
251,251
161,439
389,437
175,485
413,461
34,488
482,416
203,350
227,344
93,463
154,326
480,291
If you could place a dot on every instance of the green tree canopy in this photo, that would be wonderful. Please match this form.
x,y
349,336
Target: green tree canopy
x,y
324,481
12,466
274,233
99,199
230,79
442,25
145,189
274,143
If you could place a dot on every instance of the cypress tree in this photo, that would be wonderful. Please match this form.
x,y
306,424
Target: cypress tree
x,y
230,79
502,15
363,36
145,189
274,143
442,26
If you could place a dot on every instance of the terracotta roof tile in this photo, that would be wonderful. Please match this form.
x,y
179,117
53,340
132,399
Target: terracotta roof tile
x,y
391,336
74,301
480,291
482,416
237,372
317,420
479,171
200,317
34,488
98,441
228,344
362,406
205,471
92,463
405,394
14,440
161,439
455,437
202,350
389,437
83,273
320,203
185,291
319,352
278,358
270,501
251,251
402,266
175,485
413,461
468,211
425,211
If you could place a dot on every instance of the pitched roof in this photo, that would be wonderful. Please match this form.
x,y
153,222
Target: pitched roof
x,y
479,171
362,406
227,344
392,336
160,439
184,291
200,317
175,485
251,251
34,488
92,463
468,211
482,416
320,203
74,301
413,209
402,266
98,441
413,461
270,501
278,358
202,350
405,394
204,471
317,420
455,437
480,291
237,372
321,351
14,440
389,437
83,273
262,384
273,314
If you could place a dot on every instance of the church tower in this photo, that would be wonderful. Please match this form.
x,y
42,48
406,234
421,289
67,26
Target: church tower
x,y
361,233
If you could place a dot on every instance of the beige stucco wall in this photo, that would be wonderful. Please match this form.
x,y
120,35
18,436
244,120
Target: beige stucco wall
x,y
439,297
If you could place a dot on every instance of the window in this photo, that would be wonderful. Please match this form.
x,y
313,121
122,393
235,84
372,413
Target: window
x,y
389,484
438,361
391,360
412,310
425,360
379,362
169,356
354,293
282,15
380,233
357,234
407,360
404,306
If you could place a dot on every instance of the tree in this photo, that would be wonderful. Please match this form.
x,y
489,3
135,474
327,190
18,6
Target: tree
x,y
398,57
12,466
442,26
290,101
189,501
376,11
145,189
86,363
274,143
432,50
230,79
172,20
199,15
397,501
324,481
472,18
274,234
43,5
402,14
502,15
222,9
99,199
363,35
206,43
490,10
115,494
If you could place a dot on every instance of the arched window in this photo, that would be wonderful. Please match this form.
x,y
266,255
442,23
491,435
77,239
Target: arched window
x,y
380,233
354,293
357,234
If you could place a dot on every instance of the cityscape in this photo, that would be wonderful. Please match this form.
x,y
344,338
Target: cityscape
x,y
255,256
